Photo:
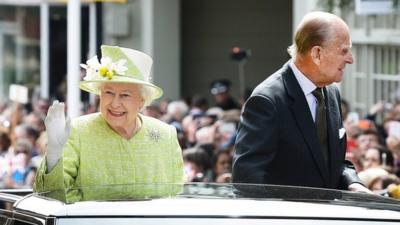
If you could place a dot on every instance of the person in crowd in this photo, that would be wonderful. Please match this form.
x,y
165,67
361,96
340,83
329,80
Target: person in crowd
x,y
41,106
377,162
196,164
41,146
223,99
369,175
5,143
222,167
153,110
36,120
225,131
207,135
291,130
21,173
5,157
88,157
378,156
365,140
381,184
28,132
393,144
164,105
190,125
345,107
176,111
199,105
352,132
375,109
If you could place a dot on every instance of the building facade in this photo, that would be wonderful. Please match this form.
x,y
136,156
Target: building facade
x,y
191,44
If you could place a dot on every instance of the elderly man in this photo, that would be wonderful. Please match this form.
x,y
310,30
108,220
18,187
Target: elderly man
x,y
291,129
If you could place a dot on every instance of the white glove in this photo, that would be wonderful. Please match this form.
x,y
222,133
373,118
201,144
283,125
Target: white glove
x,y
58,129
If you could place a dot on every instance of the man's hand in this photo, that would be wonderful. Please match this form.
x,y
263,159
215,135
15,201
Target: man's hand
x,y
58,129
357,187
393,144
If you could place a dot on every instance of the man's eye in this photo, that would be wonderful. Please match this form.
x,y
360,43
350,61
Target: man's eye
x,y
108,93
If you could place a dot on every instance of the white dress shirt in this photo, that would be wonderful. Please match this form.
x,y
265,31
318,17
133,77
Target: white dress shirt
x,y
307,86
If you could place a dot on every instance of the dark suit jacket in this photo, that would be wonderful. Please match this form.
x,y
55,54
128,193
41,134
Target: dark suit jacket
x,y
277,141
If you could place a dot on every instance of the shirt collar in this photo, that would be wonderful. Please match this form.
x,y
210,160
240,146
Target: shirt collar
x,y
306,84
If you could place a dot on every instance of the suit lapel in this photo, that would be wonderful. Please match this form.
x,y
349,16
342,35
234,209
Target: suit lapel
x,y
333,115
302,115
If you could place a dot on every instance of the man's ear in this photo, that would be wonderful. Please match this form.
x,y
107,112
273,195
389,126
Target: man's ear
x,y
315,53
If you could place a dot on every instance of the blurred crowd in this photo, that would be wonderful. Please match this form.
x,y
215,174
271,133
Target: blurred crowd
x,y
373,146
206,132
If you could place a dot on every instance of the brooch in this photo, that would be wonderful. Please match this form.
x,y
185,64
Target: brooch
x,y
154,134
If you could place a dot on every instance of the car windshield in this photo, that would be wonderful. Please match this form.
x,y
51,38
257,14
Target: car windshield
x,y
138,192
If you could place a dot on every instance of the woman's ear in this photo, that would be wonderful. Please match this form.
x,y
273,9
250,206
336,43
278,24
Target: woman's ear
x,y
316,54
141,104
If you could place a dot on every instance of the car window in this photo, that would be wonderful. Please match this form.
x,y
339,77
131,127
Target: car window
x,y
17,222
20,222
214,190
3,220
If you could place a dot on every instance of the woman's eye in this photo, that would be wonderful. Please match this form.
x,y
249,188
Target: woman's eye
x,y
109,93
125,95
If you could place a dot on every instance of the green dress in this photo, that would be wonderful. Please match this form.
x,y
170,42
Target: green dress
x,y
99,164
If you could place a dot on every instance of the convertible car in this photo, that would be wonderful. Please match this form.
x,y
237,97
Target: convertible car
x,y
211,204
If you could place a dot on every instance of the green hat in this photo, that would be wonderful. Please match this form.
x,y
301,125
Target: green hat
x,y
119,65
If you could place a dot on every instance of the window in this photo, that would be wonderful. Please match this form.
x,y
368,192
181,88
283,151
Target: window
x,y
19,47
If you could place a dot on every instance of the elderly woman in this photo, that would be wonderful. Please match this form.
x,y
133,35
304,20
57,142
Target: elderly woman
x,y
118,152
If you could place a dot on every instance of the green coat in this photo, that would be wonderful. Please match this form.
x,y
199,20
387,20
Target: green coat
x,y
99,164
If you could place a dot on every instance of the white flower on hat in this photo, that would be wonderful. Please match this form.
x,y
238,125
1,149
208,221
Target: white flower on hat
x,y
104,68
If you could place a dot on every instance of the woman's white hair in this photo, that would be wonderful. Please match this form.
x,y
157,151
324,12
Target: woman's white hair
x,y
146,92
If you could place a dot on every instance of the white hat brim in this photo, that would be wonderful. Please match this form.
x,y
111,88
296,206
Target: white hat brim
x,y
92,85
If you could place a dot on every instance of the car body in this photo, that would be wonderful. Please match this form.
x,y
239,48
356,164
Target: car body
x,y
210,204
